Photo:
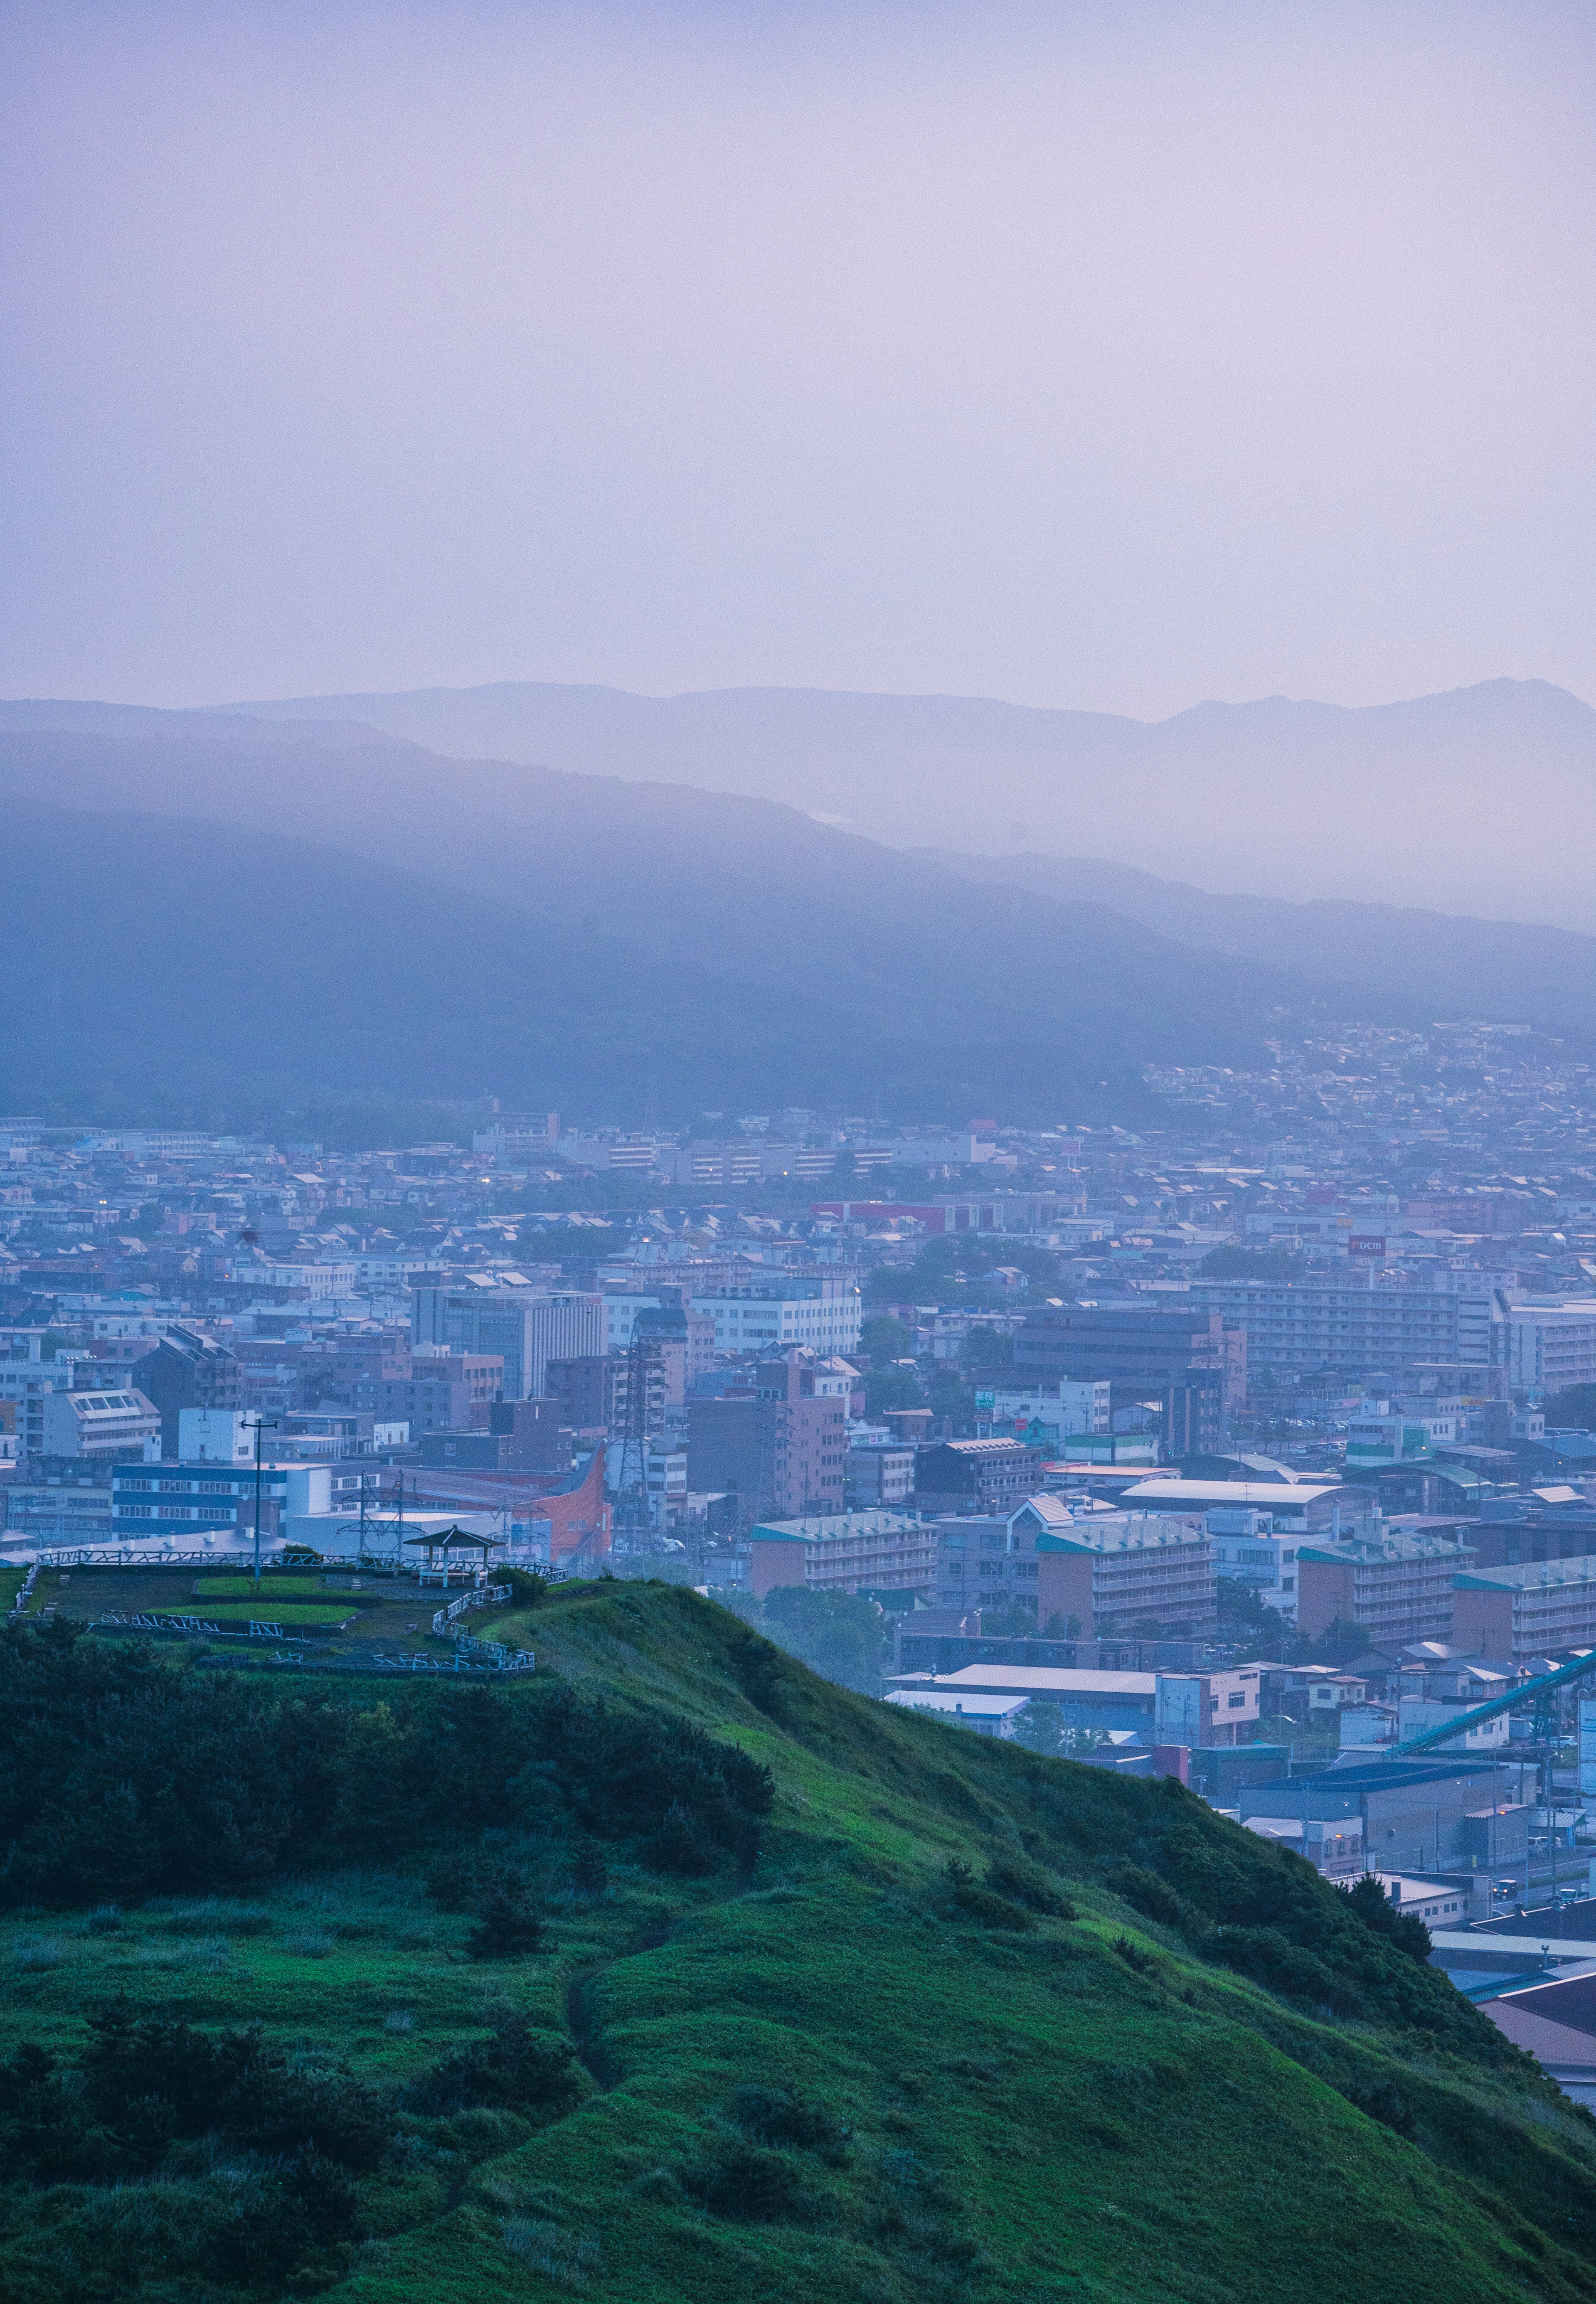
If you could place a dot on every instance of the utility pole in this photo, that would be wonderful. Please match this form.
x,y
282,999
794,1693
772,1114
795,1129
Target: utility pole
x,y
262,1424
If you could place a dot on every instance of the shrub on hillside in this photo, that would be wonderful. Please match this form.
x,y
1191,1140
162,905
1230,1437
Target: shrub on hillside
x,y
1026,1882
145,2083
750,2184
1152,1897
780,2115
507,1926
982,1905
513,2070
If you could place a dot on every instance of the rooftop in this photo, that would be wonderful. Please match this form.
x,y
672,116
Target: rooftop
x,y
836,1528
1528,1574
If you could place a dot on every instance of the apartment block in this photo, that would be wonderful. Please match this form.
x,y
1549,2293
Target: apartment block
x,y
1396,1588
1538,1608
1358,1324
771,1439
187,1370
98,1423
1552,1345
852,1552
975,1476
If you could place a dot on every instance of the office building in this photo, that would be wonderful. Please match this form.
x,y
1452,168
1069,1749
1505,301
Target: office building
x,y
819,1312
1186,1364
501,1314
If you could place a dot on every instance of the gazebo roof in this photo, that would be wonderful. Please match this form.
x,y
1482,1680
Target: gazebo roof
x,y
455,1539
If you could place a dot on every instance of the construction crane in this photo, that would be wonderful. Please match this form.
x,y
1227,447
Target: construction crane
x,y
1544,1693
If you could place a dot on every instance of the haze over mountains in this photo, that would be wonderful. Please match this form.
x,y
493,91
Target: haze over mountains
x,y
292,906
281,918
1482,800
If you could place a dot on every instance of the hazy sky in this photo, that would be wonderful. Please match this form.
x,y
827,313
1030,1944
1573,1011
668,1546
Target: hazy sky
x,y
1114,355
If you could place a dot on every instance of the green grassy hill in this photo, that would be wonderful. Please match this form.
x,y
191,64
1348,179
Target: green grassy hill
x,y
913,2016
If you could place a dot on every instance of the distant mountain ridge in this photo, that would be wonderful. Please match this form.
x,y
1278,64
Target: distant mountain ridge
x,y
1502,971
1479,800
378,922
617,946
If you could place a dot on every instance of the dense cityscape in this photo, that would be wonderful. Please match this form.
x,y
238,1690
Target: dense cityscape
x,y
797,1154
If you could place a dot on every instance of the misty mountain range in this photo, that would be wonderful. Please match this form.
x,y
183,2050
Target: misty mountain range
x,y
1479,801
226,910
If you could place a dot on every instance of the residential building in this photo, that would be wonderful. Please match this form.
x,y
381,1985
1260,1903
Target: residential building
x,y
1357,1323
1512,1614
768,1437
542,1444
187,1369
1396,1588
536,1435
531,1137
436,1392
847,1552
100,1424
1117,1573
878,1477
1247,1551
1552,1343
975,1476
594,1391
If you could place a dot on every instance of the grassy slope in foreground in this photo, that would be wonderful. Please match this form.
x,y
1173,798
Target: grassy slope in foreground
x,y
1085,2108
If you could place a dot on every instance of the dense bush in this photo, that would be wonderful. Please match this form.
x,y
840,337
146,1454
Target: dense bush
x,y
145,2083
506,1924
515,2069
780,2115
988,1909
156,2100
1259,1909
1026,1882
122,1775
214,2162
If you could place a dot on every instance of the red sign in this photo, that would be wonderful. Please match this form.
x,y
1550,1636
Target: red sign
x,y
1363,1243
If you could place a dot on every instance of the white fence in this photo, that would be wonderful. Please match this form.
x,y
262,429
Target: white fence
x,y
488,1595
